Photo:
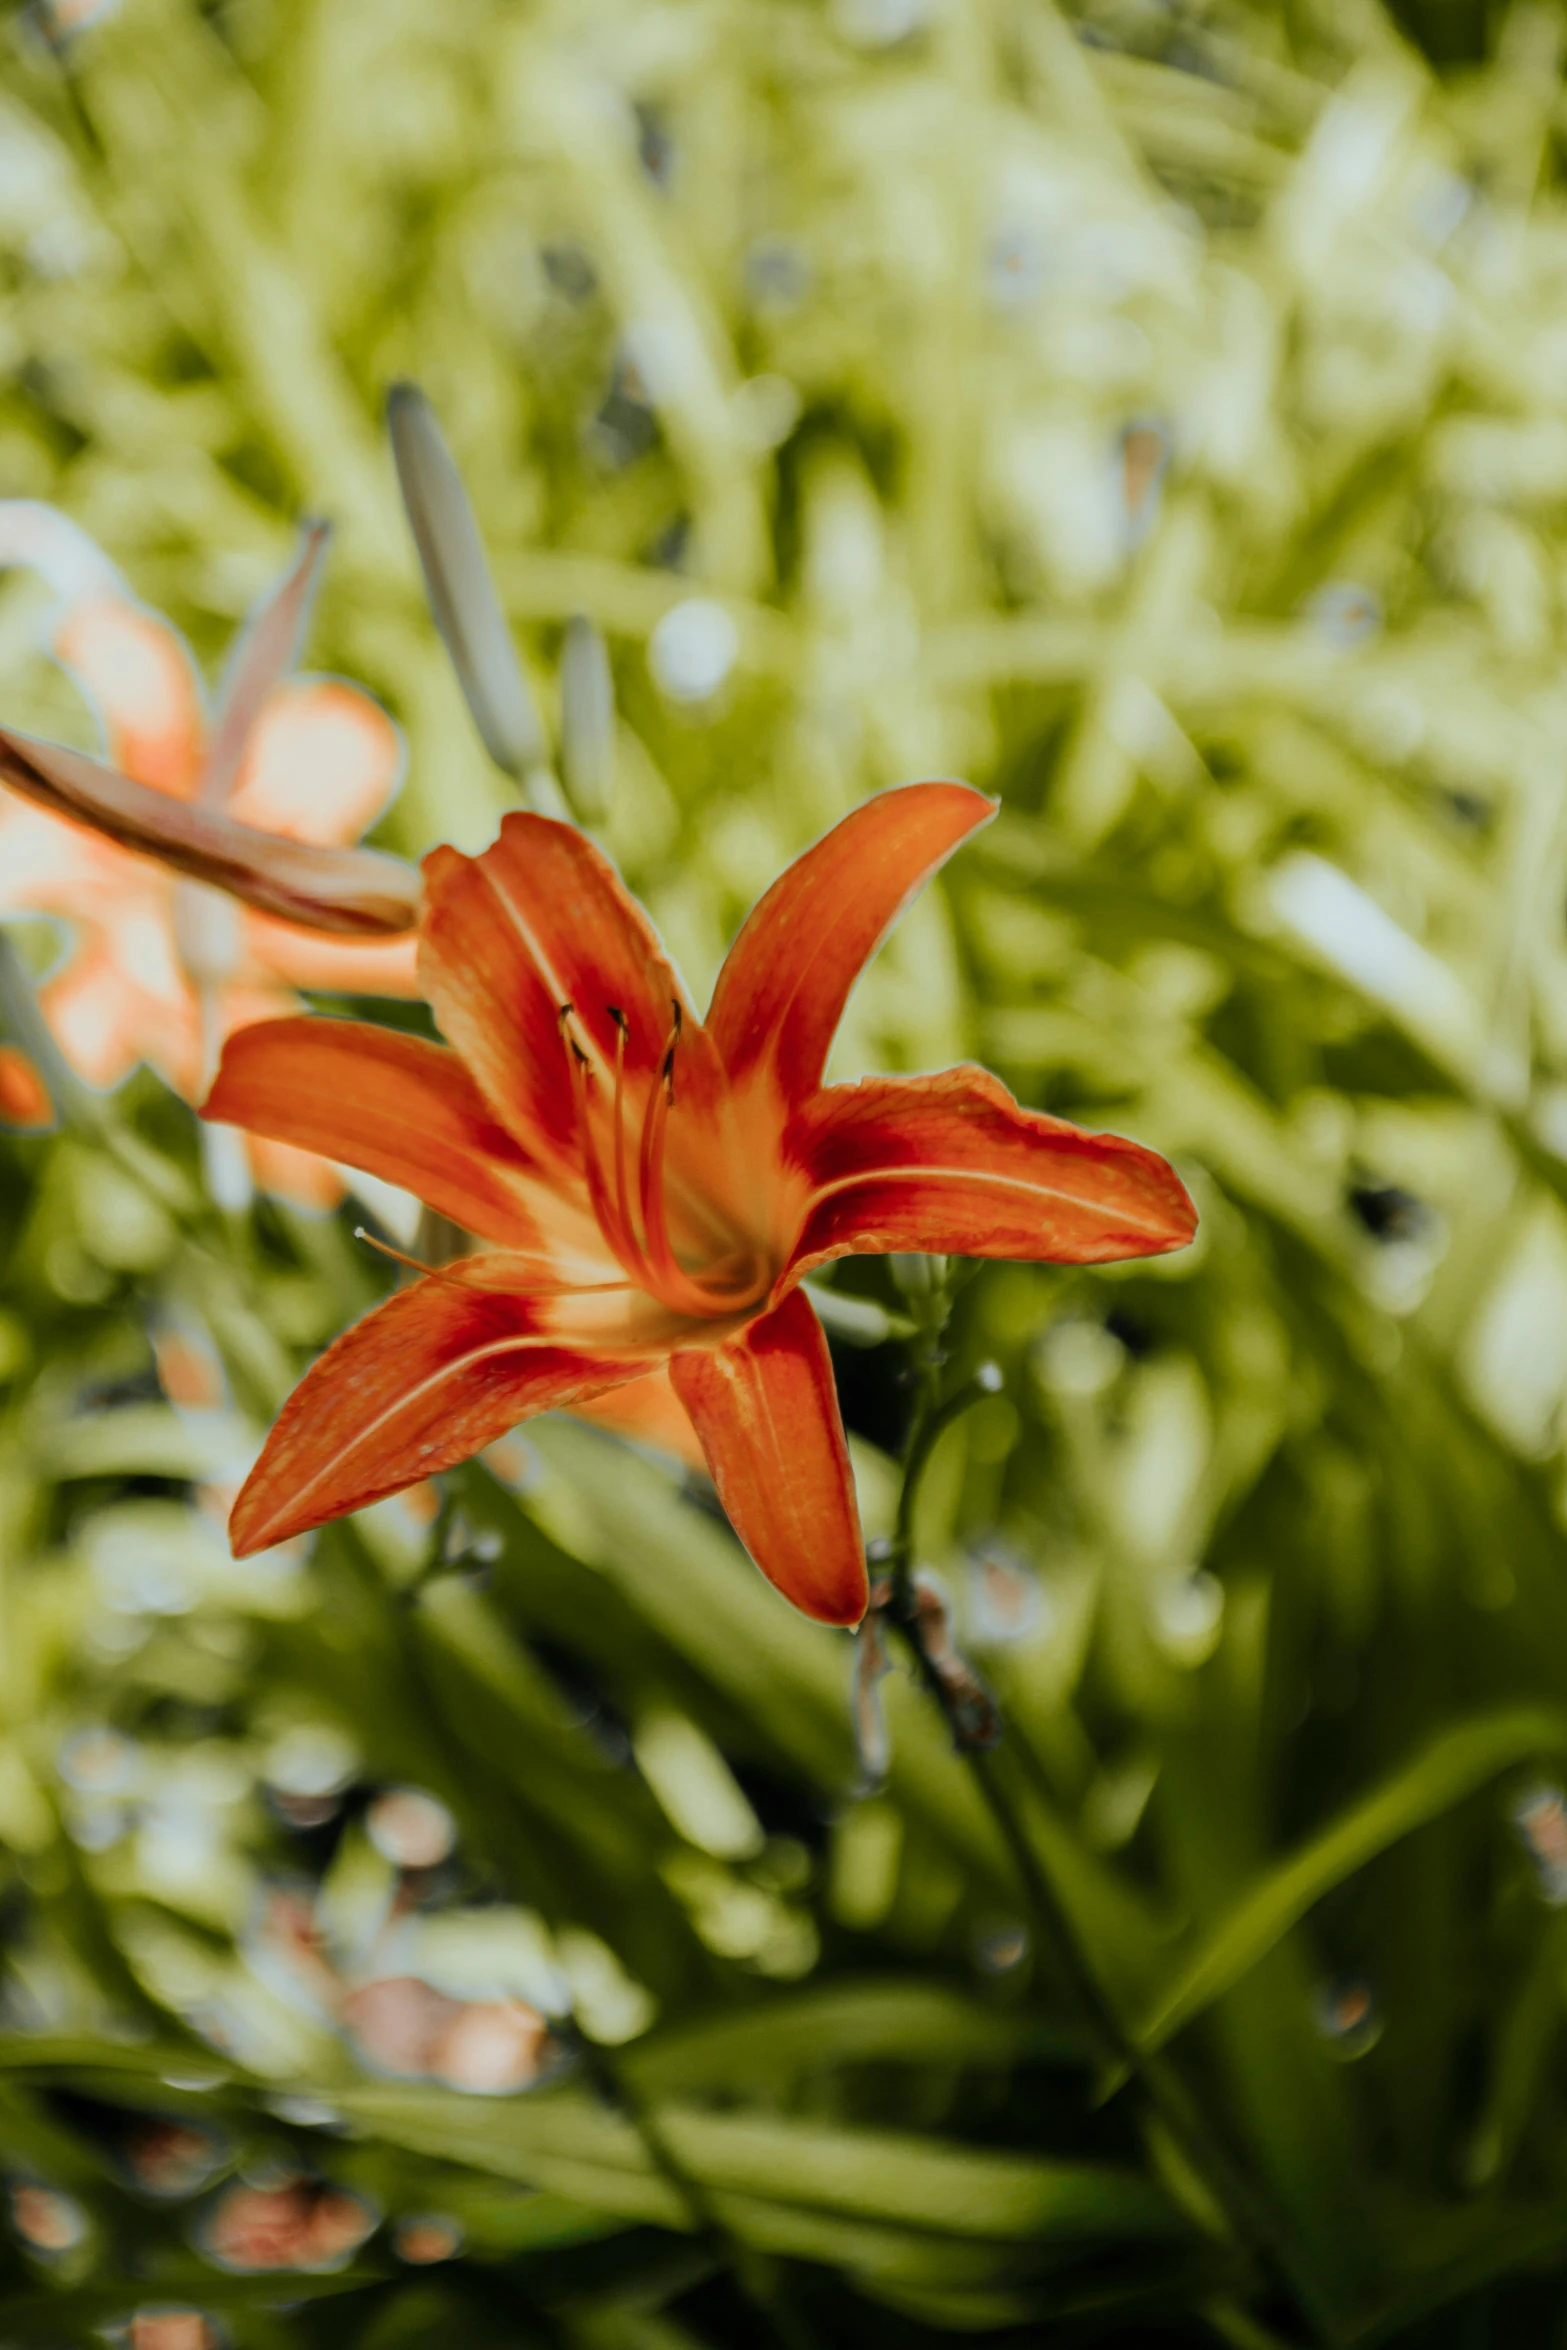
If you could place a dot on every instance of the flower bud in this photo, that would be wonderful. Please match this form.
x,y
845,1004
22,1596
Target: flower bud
x,y
359,893
917,1276
458,582
587,720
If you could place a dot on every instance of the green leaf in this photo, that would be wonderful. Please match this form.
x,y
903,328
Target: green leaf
x,y
573,2147
786,1678
884,2020
1455,1764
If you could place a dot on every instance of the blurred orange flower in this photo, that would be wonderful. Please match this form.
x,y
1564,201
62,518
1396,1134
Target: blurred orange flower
x,y
397,2022
161,968
489,2047
170,2158
171,2329
24,1097
46,2220
59,19
298,2224
422,2238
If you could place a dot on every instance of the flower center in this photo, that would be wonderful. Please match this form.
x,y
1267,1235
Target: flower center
x,y
633,1215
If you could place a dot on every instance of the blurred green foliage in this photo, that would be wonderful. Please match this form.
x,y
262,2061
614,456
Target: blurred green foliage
x,y
1157,416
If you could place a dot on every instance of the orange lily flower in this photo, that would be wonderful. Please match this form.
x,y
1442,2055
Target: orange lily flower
x,y
160,968
653,1188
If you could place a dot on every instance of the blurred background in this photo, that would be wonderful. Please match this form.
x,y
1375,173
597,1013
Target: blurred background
x,y
1155,412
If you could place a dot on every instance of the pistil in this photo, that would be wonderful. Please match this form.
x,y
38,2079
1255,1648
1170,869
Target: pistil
x,y
655,1222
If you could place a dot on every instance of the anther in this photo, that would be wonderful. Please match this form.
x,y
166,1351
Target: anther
x,y
622,1195
563,1021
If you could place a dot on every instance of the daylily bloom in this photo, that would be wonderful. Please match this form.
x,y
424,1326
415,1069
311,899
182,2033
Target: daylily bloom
x,y
654,1188
160,967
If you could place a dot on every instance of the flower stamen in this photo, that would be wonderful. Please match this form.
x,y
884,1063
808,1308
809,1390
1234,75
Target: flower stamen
x,y
647,1256
397,1255
678,1287
622,1189
609,1209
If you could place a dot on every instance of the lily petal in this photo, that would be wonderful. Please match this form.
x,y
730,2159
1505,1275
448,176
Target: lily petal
x,y
540,921
47,867
393,1105
786,979
137,671
59,550
108,1008
427,1380
358,892
953,1165
766,1411
320,763
283,951
267,648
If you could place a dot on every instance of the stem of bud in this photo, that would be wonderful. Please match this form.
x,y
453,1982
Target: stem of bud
x,y
1256,2225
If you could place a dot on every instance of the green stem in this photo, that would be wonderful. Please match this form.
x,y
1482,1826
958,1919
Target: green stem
x,y
1252,2220
931,1424
930,1313
19,1012
752,2274
76,1105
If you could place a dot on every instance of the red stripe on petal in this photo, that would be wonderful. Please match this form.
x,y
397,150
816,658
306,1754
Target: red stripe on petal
x,y
393,1105
781,992
766,1412
425,1381
953,1165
